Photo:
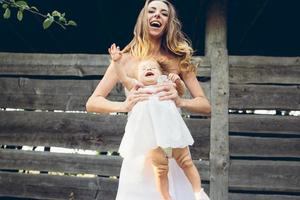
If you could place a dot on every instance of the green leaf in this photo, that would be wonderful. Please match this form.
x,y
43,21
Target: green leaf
x,y
34,8
55,13
63,15
63,20
47,23
22,3
20,15
6,14
4,6
72,23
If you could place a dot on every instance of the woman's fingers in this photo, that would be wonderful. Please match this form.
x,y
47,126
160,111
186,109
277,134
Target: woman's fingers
x,y
168,96
167,91
132,99
165,87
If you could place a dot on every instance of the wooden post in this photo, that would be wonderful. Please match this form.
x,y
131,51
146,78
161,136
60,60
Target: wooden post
x,y
216,51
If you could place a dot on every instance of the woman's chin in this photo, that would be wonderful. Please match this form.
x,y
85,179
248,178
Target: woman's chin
x,y
155,33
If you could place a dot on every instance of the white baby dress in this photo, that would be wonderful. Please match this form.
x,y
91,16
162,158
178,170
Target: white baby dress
x,y
150,124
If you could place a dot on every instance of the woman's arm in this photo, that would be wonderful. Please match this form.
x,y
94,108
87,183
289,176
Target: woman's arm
x,y
97,102
199,103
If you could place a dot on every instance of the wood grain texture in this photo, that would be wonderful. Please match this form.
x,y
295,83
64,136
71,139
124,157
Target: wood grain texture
x,y
59,187
80,130
67,64
264,175
279,136
243,69
272,177
72,163
215,50
72,94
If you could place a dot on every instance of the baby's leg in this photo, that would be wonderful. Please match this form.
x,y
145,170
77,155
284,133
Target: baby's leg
x,y
161,168
184,160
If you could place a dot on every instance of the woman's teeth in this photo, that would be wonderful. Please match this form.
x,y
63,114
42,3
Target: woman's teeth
x,y
155,24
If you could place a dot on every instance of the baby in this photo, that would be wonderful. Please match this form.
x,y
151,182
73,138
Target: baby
x,y
155,128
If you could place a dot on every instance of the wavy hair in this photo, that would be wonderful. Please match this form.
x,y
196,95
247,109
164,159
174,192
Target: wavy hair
x,y
173,40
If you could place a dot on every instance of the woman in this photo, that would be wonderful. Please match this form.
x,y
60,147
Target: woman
x,y
157,34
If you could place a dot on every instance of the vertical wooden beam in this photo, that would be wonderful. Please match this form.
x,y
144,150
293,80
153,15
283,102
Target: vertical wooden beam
x,y
216,26
216,51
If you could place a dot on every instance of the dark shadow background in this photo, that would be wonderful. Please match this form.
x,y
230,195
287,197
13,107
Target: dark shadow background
x,y
256,27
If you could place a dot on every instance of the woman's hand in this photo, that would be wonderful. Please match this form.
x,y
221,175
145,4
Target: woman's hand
x,y
135,95
167,91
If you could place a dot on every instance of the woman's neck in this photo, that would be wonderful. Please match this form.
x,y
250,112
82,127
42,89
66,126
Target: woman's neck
x,y
155,46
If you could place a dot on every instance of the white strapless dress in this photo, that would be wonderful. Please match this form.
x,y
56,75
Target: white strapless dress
x,y
150,124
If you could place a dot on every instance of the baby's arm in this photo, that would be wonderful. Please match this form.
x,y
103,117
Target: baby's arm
x,y
180,86
116,56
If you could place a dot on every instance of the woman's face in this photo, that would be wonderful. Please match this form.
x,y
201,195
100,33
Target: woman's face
x,y
158,15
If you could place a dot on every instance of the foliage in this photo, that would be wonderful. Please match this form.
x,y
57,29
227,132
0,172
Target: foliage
x,y
22,5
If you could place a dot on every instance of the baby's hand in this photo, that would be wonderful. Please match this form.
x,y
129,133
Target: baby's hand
x,y
173,77
115,52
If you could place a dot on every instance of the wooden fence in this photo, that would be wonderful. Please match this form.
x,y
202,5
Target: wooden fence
x,y
244,155
264,149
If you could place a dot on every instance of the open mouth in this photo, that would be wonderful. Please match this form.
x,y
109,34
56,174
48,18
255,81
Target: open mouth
x,y
155,24
149,74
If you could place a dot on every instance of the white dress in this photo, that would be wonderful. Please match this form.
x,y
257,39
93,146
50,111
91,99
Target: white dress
x,y
150,124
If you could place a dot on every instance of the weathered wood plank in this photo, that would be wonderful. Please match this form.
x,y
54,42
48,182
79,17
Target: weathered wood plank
x,y
71,130
255,176
216,51
243,69
53,64
56,187
64,162
54,94
264,124
66,64
263,175
80,130
245,196
264,74
262,69
72,163
264,61
264,97
264,147
64,94
89,131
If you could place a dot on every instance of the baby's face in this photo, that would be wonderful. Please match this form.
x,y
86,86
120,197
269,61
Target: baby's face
x,y
148,72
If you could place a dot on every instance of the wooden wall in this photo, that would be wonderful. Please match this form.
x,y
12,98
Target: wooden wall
x,y
264,149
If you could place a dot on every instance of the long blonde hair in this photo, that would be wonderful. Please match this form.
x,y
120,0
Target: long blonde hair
x,y
173,40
